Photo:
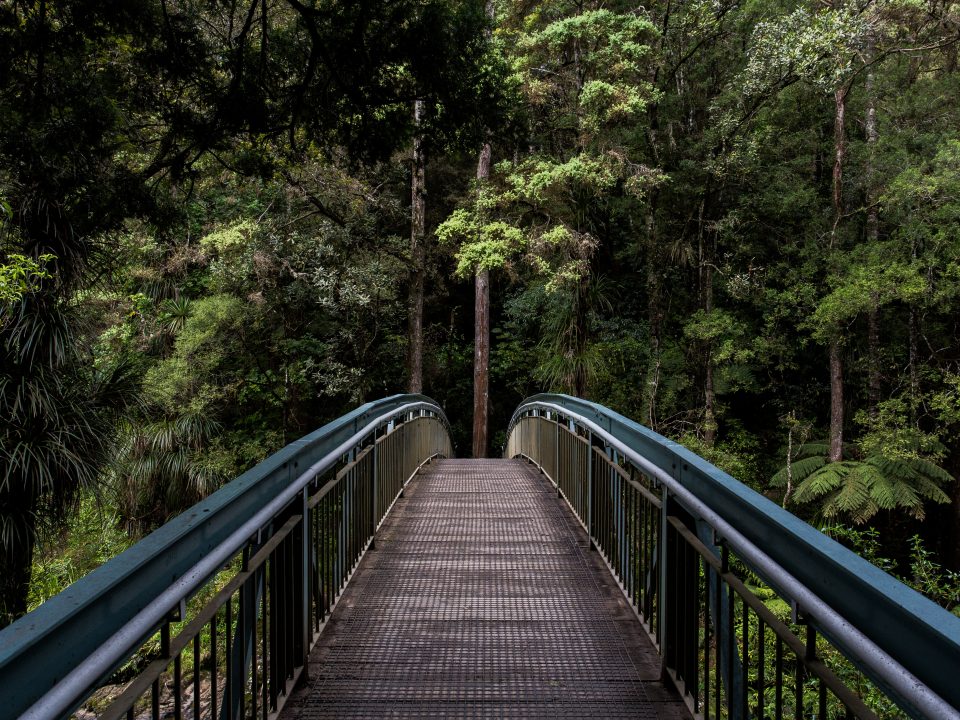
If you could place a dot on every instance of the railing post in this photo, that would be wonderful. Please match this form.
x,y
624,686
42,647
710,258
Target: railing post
x,y
663,618
593,545
402,443
373,494
241,649
556,467
304,587
538,448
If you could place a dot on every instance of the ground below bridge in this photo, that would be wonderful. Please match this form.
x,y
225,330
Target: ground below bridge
x,y
482,599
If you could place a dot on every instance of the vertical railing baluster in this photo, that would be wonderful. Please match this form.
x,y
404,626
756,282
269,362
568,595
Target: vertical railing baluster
x,y
761,667
177,682
265,626
303,577
719,685
196,675
778,684
213,666
228,695
590,490
707,569
662,619
745,659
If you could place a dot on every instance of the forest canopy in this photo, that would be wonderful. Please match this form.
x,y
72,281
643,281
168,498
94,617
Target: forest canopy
x,y
225,223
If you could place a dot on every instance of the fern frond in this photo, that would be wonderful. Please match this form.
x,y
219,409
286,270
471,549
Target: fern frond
x,y
906,496
816,447
930,470
801,470
827,478
932,491
864,513
855,492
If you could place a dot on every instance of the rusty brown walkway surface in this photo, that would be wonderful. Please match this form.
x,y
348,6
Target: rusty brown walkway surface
x,y
482,599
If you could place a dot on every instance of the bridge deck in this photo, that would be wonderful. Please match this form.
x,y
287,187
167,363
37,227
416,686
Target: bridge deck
x,y
482,599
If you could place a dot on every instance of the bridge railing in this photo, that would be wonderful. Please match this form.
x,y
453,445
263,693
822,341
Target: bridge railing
x,y
214,614
697,553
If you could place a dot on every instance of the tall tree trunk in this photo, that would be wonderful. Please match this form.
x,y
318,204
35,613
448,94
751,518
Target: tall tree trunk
x,y
913,342
417,256
839,155
481,342
481,322
872,233
481,363
836,362
836,402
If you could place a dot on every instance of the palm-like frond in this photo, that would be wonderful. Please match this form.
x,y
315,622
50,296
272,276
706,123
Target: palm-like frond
x,y
859,489
798,470
158,470
826,479
174,313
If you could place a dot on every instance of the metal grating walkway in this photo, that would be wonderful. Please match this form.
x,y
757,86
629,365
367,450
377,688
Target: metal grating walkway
x,y
482,600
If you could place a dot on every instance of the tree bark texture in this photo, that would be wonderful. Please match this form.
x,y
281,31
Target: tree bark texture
x,y
417,257
840,153
836,362
836,402
481,342
481,363
481,317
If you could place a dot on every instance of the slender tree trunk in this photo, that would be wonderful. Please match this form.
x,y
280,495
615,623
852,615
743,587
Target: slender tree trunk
x,y
913,341
481,363
481,323
417,257
481,342
836,362
872,234
840,153
836,402
791,419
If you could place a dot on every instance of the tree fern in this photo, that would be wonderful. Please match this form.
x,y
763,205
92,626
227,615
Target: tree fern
x,y
857,490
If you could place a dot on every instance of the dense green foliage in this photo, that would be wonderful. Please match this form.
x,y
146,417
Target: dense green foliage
x,y
727,220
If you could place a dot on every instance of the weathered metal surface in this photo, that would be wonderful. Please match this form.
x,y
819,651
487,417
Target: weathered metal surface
x,y
482,599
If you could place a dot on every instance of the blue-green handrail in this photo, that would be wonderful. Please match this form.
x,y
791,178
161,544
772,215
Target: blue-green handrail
x,y
42,648
910,630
